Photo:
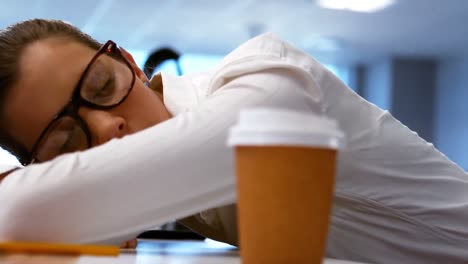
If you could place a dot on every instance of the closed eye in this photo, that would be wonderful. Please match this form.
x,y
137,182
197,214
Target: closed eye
x,y
104,91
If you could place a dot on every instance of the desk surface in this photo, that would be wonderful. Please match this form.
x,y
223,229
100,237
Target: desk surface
x,y
151,251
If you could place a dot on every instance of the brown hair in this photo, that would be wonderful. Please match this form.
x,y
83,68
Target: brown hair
x,y
13,40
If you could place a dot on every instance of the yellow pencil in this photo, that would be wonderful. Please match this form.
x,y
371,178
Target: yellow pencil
x,y
51,248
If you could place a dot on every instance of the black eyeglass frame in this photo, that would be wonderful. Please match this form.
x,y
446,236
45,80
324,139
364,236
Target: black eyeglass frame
x,y
77,101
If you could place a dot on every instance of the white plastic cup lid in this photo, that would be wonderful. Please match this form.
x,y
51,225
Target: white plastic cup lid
x,y
282,127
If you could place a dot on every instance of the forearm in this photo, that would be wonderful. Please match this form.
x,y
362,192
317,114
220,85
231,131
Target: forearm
x,y
93,197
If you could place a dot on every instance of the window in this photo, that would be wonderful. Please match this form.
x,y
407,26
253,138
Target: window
x,y
190,63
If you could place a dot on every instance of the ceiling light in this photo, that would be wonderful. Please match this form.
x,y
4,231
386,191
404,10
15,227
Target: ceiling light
x,y
367,6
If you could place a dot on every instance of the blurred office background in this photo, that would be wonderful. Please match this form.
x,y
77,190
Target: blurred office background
x,y
407,56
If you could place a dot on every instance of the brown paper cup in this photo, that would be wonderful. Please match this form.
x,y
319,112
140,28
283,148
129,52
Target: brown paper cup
x,y
285,166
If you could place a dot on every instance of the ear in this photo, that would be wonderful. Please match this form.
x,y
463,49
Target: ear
x,y
139,73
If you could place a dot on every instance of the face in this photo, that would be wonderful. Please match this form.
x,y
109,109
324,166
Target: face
x,y
50,70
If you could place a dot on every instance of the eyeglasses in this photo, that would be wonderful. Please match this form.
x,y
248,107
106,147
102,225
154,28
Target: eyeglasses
x,y
106,82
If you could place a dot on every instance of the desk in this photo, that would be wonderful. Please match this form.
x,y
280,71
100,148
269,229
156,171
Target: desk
x,y
151,252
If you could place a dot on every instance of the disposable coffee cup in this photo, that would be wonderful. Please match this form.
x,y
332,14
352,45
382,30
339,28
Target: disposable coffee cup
x,y
285,167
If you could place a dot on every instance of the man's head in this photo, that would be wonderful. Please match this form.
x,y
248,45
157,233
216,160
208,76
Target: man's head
x,y
41,63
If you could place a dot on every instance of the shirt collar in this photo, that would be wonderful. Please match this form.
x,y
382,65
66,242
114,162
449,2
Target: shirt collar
x,y
179,93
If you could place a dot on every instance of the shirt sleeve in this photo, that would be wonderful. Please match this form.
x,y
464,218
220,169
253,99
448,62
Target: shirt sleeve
x,y
112,192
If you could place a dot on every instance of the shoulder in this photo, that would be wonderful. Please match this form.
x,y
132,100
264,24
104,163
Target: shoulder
x,y
266,52
267,44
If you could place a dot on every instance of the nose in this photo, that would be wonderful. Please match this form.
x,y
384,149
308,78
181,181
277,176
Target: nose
x,y
103,125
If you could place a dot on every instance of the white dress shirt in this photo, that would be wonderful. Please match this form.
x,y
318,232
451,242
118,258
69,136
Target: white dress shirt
x,y
397,199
